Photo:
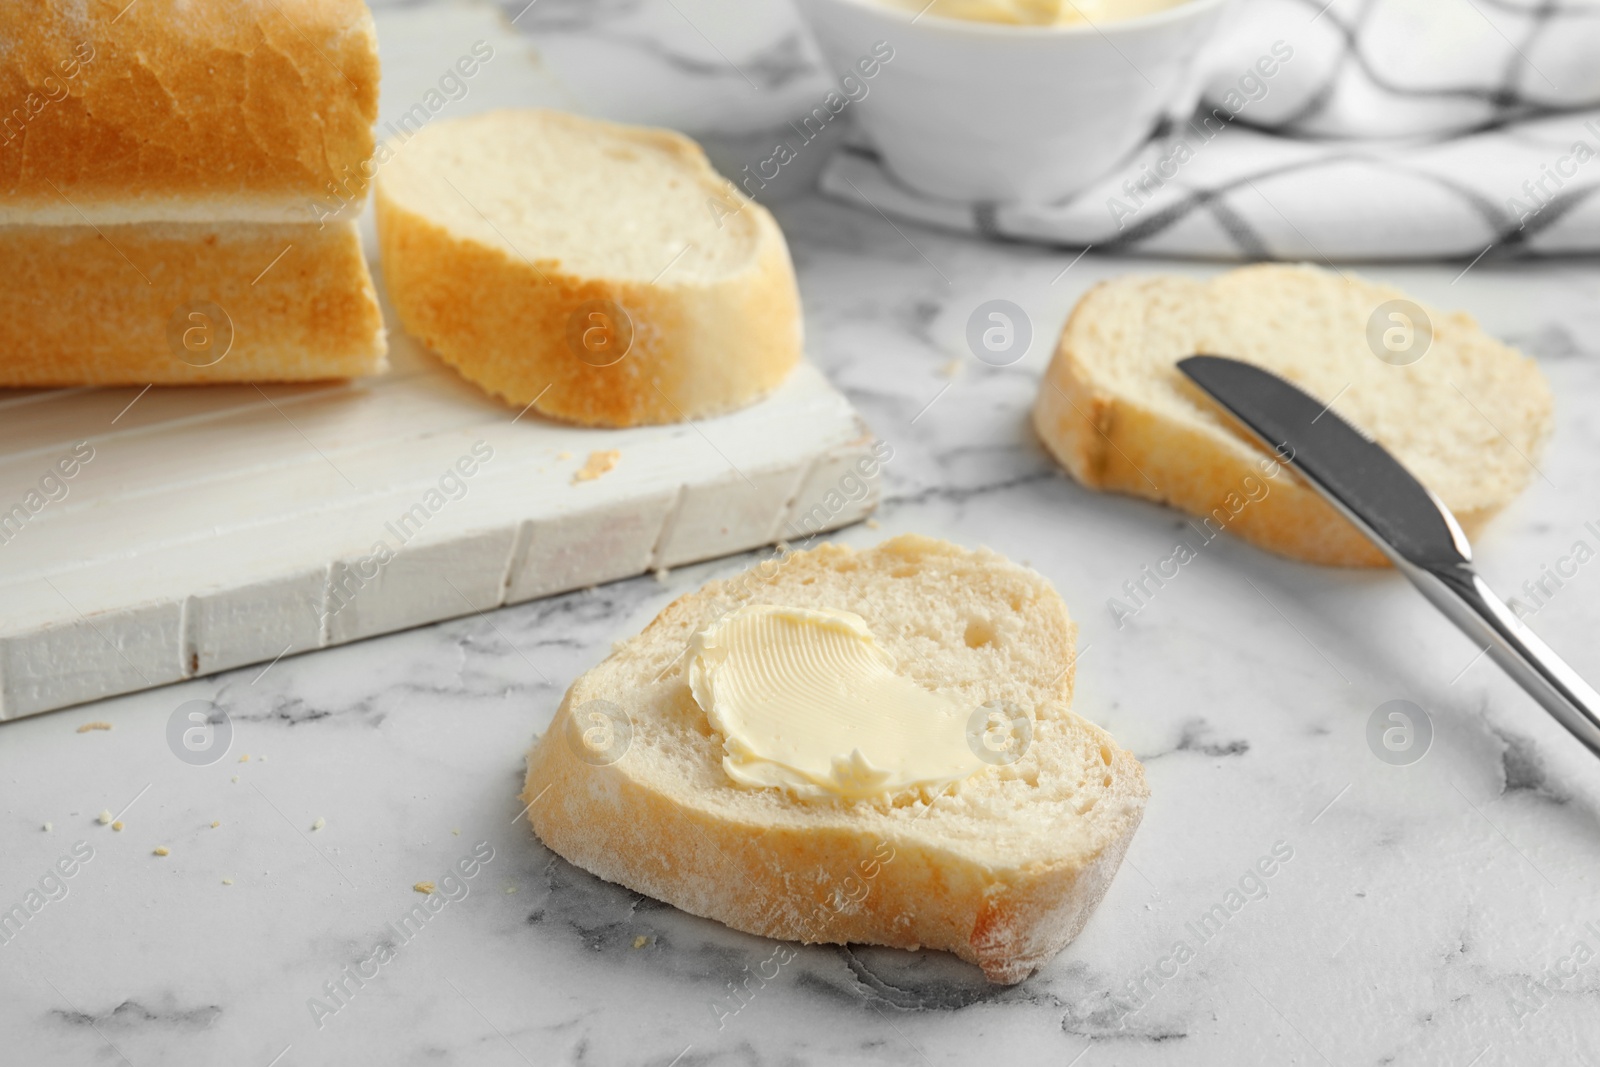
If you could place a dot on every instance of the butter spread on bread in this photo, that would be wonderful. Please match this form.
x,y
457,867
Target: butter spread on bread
x,y
808,700
1466,414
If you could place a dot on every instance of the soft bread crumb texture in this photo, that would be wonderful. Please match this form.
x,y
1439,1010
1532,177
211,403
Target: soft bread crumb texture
x,y
184,110
1469,418
1004,870
510,237
101,306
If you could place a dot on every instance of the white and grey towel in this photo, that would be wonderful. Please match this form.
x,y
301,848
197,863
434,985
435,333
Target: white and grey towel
x,y
1399,129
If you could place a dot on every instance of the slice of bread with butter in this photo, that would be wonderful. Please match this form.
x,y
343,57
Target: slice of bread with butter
x,y
840,746
1464,413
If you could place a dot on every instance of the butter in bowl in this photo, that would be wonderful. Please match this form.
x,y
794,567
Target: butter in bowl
x,y
1015,100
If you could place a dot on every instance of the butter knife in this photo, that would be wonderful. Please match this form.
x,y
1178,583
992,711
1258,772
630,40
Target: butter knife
x,y
1368,486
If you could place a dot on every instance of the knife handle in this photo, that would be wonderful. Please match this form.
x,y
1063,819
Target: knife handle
x,y
1469,602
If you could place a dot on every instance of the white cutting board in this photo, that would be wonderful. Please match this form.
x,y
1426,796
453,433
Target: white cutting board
x,y
216,527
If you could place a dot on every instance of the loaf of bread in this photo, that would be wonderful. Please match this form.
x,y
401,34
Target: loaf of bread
x,y
603,273
1003,868
181,183
278,303
184,110
1464,413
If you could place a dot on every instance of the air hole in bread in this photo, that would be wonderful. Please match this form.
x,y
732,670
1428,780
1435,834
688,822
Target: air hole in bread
x,y
905,570
1106,781
1105,755
979,633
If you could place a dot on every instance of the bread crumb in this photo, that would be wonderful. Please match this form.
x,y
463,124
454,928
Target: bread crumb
x,y
262,758
86,727
662,574
424,887
215,823
227,881
48,827
952,368
457,833
641,941
563,455
117,826
510,889
245,758
597,464
319,824
873,524
162,850
105,818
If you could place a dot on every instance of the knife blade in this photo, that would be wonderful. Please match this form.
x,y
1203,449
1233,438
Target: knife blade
x,y
1402,517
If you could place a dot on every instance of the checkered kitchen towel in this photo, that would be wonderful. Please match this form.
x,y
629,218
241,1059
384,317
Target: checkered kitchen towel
x,y
1399,129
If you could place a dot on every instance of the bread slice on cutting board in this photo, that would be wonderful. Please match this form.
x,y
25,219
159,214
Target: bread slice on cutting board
x,y
603,273
1002,868
1468,418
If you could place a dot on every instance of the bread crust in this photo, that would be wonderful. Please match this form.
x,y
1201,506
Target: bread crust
x,y
1106,439
184,109
698,349
88,306
779,878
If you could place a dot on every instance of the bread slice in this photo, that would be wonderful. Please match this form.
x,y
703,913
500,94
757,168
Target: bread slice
x,y
185,110
505,235
1468,418
109,306
1003,869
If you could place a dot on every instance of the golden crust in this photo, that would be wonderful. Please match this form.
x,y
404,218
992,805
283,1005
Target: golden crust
x,y
200,100
502,321
74,311
777,881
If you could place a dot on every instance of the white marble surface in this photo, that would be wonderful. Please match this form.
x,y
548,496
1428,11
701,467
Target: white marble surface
x,y
1417,906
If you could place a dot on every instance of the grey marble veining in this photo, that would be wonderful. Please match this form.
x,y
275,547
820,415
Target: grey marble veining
x,y
1417,907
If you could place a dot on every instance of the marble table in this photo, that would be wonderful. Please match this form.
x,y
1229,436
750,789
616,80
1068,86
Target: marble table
x,y
1416,909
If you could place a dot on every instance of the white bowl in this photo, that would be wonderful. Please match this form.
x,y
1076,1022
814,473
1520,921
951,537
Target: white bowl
x,y
984,111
